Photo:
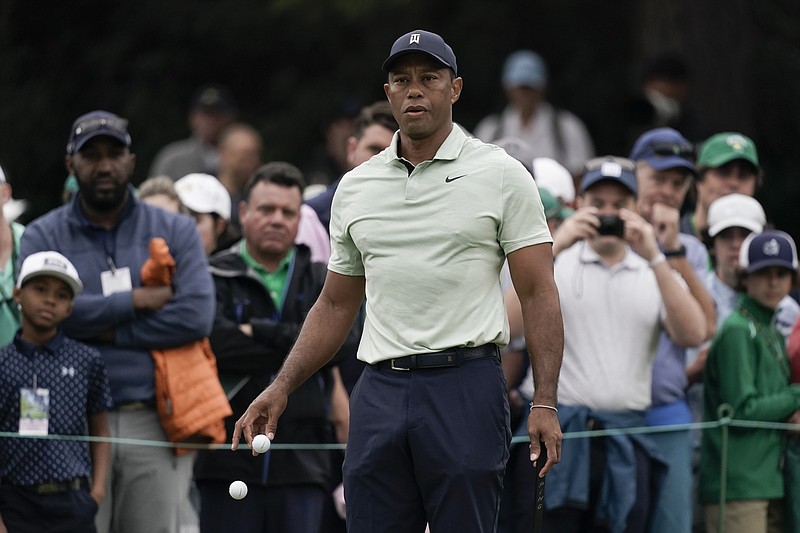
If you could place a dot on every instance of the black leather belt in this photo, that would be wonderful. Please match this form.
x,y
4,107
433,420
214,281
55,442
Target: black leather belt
x,y
445,359
55,487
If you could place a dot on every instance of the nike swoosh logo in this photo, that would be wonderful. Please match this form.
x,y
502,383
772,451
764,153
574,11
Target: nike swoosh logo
x,y
448,179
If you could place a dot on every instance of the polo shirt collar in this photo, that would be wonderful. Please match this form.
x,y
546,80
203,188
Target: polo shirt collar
x,y
258,267
51,347
448,151
630,261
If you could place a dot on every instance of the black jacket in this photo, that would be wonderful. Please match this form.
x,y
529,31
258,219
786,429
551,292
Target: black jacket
x,y
254,361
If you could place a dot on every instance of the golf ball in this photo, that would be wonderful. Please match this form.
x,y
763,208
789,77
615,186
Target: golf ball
x,y
261,443
238,490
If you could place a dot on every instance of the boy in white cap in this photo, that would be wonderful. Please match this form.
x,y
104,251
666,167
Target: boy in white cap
x,y
51,385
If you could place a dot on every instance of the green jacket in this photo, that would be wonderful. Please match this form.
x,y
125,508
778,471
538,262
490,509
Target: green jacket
x,y
747,368
9,316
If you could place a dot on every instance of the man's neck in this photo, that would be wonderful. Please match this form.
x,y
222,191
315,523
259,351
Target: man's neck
x,y
104,219
610,256
270,262
415,151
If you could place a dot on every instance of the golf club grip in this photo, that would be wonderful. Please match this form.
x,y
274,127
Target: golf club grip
x,y
538,493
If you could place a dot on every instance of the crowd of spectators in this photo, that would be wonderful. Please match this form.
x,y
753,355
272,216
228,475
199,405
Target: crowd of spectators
x,y
678,298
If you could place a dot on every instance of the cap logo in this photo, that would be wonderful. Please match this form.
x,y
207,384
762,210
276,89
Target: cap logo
x,y
53,262
611,169
771,248
414,39
737,142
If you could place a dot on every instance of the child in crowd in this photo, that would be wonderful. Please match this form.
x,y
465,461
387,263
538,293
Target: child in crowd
x,y
748,370
51,385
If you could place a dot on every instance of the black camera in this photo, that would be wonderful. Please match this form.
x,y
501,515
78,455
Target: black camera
x,y
611,225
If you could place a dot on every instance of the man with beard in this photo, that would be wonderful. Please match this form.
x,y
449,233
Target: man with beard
x,y
105,232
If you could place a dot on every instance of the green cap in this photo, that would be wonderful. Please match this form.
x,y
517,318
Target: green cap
x,y
553,208
723,148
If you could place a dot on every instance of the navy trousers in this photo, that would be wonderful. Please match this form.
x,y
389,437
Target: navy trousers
x,y
427,446
65,512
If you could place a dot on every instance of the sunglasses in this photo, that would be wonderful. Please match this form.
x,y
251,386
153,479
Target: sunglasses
x,y
684,150
598,162
115,125
119,125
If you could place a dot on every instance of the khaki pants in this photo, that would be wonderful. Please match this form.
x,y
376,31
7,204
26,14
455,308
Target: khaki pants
x,y
747,516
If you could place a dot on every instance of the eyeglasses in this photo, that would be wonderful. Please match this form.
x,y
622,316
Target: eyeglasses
x,y
684,150
598,162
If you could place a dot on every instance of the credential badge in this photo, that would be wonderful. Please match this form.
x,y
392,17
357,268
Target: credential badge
x,y
414,38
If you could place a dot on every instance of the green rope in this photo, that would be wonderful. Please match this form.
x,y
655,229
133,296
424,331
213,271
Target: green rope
x,y
724,412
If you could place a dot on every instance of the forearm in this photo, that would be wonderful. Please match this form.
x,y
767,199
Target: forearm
x,y
696,288
544,336
100,453
684,320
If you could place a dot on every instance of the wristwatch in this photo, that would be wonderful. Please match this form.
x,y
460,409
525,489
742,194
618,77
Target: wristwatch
x,y
679,252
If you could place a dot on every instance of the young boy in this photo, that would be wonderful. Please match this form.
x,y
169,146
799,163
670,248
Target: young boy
x,y
747,369
51,385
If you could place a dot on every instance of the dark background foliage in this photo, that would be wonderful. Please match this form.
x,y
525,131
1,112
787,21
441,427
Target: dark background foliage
x,y
292,63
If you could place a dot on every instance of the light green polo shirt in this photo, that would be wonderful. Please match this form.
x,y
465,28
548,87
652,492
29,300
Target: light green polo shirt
x,y
431,244
9,317
275,282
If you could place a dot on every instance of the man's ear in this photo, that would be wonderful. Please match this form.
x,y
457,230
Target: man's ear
x,y
458,85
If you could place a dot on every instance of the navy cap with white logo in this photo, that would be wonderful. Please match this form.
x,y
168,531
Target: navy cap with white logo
x,y
766,249
425,42
95,124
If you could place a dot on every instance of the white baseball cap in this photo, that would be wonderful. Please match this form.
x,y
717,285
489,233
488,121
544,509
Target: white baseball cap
x,y
551,175
50,263
735,211
203,193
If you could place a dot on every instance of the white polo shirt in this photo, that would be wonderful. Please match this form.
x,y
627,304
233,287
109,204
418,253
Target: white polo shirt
x,y
612,320
431,244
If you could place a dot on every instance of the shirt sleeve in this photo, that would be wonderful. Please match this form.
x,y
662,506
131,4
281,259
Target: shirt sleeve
x,y
523,221
345,257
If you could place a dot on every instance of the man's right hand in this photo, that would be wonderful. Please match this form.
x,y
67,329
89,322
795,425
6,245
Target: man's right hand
x,y
261,417
151,298
579,226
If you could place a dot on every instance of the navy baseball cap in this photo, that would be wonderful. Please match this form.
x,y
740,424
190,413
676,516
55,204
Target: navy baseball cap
x,y
609,168
766,249
663,149
95,124
425,42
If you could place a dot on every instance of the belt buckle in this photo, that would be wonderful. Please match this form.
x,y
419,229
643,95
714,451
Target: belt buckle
x,y
48,488
398,368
